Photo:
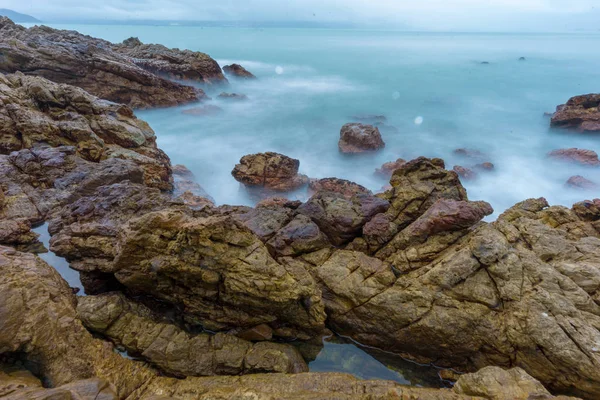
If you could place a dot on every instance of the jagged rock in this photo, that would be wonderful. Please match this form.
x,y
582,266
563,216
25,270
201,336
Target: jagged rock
x,y
238,71
298,237
342,186
579,182
579,156
267,173
89,63
359,138
38,112
588,210
465,173
173,63
499,384
340,218
388,168
38,318
141,331
232,96
581,113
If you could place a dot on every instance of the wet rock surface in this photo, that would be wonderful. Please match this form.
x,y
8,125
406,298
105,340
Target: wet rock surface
x,y
359,138
94,65
581,113
238,71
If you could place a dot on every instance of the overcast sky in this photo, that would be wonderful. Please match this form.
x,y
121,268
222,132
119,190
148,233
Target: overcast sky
x,y
419,14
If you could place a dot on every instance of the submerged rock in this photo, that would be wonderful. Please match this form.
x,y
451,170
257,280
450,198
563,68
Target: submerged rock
x,y
581,113
232,96
579,182
203,111
359,138
238,71
267,173
465,173
579,156
89,63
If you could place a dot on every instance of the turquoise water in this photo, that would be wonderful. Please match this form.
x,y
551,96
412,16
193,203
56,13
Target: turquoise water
x,y
312,81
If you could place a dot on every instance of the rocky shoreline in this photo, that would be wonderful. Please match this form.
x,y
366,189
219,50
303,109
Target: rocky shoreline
x,y
214,300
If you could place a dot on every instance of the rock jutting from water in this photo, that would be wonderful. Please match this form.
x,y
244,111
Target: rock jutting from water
x,y
236,70
579,182
130,73
581,113
387,169
359,138
579,156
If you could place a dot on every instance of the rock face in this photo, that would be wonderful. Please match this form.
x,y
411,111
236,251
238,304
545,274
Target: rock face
x,y
268,173
38,112
579,182
171,349
359,138
92,64
172,63
579,156
238,71
581,113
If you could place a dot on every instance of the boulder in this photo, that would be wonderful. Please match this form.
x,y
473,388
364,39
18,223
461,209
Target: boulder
x,y
342,186
238,71
579,182
387,169
139,330
578,156
172,63
359,138
89,63
267,173
581,113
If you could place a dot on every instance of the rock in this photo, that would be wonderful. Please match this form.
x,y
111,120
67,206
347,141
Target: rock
x,y
346,188
486,166
579,182
470,153
42,113
588,210
204,111
232,96
91,64
388,168
238,71
581,113
141,331
39,317
268,173
499,384
257,333
485,63
465,173
340,218
172,63
299,237
359,138
579,156
279,202
522,59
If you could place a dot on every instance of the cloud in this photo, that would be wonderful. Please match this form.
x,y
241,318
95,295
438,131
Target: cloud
x,y
441,14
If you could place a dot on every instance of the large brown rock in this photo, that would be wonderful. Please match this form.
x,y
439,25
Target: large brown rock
x,y
581,113
359,138
89,63
268,173
579,156
142,331
38,112
172,63
341,186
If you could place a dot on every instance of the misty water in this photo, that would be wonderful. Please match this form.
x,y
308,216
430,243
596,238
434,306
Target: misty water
x,y
432,87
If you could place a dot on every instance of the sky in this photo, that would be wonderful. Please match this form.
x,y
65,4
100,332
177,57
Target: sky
x,y
415,14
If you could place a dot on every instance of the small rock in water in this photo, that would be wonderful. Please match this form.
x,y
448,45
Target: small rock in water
x,y
470,153
578,156
205,111
579,182
485,63
232,96
486,166
465,173
359,138
238,71
522,59
388,168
